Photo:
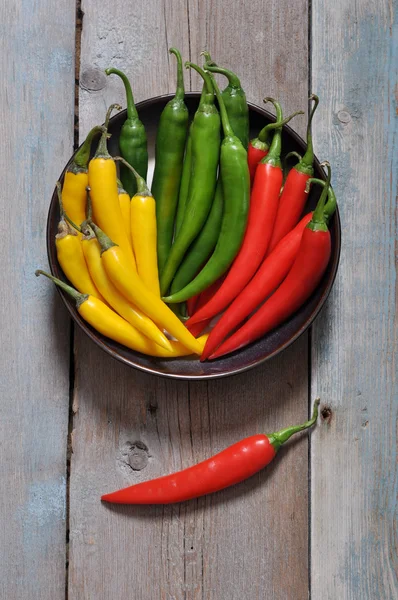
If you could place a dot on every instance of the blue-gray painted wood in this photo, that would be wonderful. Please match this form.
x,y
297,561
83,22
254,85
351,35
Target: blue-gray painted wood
x,y
240,542
36,132
353,456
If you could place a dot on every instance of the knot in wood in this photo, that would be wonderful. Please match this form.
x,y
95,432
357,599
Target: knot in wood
x,y
93,79
138,456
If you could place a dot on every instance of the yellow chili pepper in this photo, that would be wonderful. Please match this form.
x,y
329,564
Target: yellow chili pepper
x,y
130,285
70,255
143,232
76,180
113,326
102,179
124,202
92,254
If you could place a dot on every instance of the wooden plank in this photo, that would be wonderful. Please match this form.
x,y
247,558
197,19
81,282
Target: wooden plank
x,y
354,463
36,129
236,542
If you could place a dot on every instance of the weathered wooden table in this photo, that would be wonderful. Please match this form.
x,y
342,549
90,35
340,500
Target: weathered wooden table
x,y
320,521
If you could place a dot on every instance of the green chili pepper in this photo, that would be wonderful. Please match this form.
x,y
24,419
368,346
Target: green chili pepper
x,y
234,99
186,175
236,192
169,154
132,140
203,246
205,137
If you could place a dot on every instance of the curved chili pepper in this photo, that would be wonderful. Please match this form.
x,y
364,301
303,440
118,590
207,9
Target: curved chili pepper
x,y
169,154
132,140
203,246
102,178
293,197
205,137
107,322
70,254
308,268
186,173
136,318
230,466
263,208
259,146
234,99
236,191
128,282
143,231
76,179
202,299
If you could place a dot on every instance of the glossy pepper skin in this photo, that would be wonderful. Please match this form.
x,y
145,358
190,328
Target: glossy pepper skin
x,y
259,146
234,99
186,174
127,281
205,139
136,318
143,232
124,202
104,320
230,466
102,178
293,196
169,154
262,212
76,180
132,141
70,254
308,268
235,180
203,246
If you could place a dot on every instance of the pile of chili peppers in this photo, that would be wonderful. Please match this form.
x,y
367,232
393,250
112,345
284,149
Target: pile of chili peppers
x,y
217,253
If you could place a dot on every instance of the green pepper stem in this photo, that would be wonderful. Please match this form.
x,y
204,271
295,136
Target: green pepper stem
x,y
263,135
77,296
81,158
233,79
180,90
87,230
318,221
280,437
331,204
205,76
132,113
308,158
208,59
104,241
228,132
102,150
120,188
273,156
142,188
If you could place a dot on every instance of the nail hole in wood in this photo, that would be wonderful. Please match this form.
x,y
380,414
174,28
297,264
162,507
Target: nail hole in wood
x,y
326,414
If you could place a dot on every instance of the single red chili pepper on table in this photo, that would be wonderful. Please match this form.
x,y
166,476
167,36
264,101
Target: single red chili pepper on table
x,y
233,465
259,146
307,270
264,201
268,277
294,196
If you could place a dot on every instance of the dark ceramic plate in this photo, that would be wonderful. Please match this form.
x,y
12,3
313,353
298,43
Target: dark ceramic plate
x,y
258,352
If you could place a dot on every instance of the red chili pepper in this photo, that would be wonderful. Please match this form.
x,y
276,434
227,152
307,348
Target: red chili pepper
x,y
191,304
233,465
310,264
259,146
202,299
271,274
262,212
294,197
